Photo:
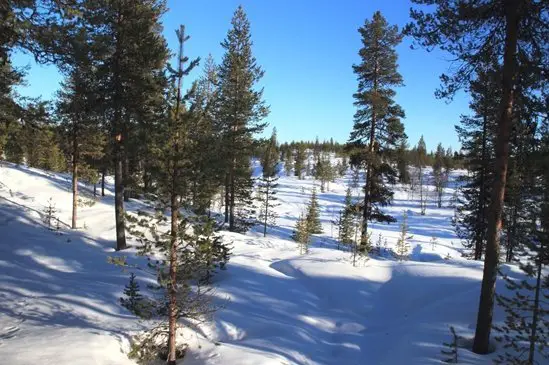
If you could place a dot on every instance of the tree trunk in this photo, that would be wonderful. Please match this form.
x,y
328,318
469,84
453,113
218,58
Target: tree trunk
x,y
74,180
103,182
482,193
227,200
481,344
266,211
126,174
231,200
118,144
535,315
172,290
119,199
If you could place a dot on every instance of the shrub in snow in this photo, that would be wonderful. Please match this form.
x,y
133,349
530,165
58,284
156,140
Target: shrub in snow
x,y
49,214
133,300
403,245
301,234
451,351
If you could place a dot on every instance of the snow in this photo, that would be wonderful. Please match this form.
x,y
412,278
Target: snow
x,y
59,295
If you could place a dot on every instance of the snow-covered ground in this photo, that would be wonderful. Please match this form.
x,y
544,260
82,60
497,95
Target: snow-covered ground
x,y
59,295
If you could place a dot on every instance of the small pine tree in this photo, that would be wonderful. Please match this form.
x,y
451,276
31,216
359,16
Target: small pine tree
x,y
313,215
434,242
133,298
299,165
301,234
451,354
346,224
50,213
403,244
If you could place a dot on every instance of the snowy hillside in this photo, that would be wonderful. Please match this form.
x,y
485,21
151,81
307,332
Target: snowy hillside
x,y
59,296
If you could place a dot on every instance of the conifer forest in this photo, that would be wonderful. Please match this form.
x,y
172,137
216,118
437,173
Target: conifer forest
x,y
274,182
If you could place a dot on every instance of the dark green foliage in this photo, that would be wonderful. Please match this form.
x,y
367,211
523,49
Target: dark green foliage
x,y
346,220
211,252
402,247
440,173
241,111
525,333
402,162
299,162
301,234
324,171
476,134
133,299
377,129
313,215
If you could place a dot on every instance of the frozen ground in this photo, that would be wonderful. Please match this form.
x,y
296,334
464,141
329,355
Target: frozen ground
x,y
59,296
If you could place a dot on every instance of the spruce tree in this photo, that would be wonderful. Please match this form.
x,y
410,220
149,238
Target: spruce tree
x,y
79,122
402,162
346,221
241,110
128,50
420,162
301,234
525,333
206,169
403,245
469,31
313,215
268,184
440,175
377,128
299,162
476,134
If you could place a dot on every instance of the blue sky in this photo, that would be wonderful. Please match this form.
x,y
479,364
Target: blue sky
x,y
307,48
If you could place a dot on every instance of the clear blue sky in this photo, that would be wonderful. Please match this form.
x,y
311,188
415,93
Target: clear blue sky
x,y
307,48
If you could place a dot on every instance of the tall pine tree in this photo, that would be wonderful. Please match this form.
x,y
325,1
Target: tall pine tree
x,y
377,128
241,110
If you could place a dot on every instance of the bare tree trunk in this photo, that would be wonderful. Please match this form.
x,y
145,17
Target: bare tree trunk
x,y
103,172
74,180
227,200
119,199
266,211
118,146
481,344
482,193
231,200
172,290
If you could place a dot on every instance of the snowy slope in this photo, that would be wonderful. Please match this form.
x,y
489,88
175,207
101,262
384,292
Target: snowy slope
x,y
59,296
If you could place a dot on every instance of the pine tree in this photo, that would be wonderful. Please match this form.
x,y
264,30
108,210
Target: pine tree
x,y
377,128
133,300
346,221
128,50
313,215
207,171
402,162
440,174
324,172
288,162
475,133
299,163
420,162
79,123
469,31
241,111
403,244
177,269
268,184
526,329
301,234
